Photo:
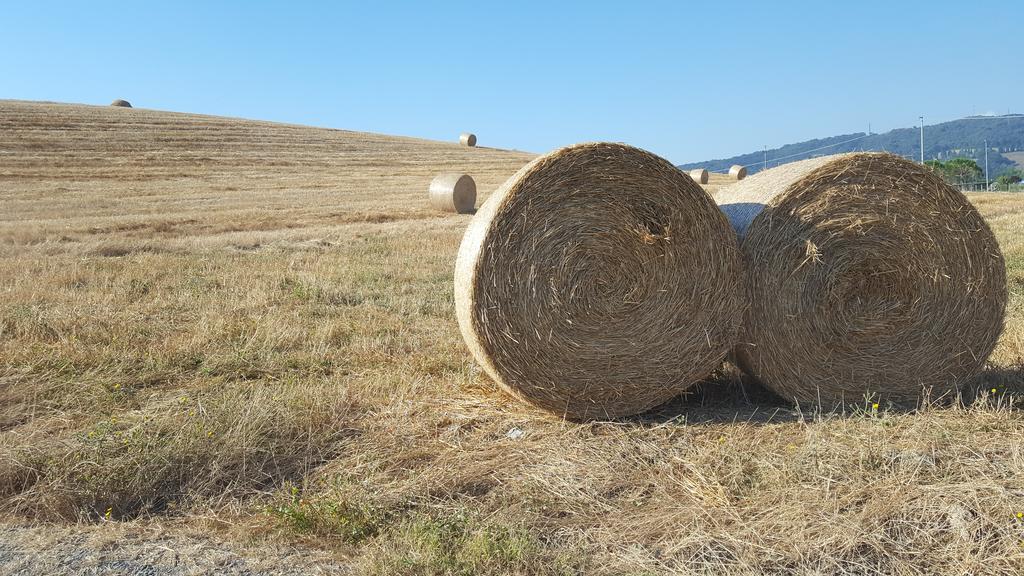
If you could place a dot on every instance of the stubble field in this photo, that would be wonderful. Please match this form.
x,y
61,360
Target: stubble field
x,y
243,333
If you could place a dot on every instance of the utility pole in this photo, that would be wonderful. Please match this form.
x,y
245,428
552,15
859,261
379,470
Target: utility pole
x,y
765,157
922,138
986,166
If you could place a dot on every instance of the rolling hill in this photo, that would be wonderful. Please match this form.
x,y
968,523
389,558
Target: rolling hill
x,y
66,168
958,138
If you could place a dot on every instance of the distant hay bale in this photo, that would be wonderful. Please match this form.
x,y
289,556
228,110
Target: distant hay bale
x,y
597,282
121,103
700,175
453,193
467,139
866,275
737,172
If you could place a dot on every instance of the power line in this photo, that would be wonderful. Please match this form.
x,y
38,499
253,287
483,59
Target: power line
x,y
823,147
861,137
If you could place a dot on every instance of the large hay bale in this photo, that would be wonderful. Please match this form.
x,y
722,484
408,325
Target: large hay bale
x,y
699,175
467,139
737,172
866,274
453,193
599,281
121,103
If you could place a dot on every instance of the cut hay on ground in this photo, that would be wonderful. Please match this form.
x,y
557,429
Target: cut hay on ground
x,y
467,139
121,103
599,281
700,175
453,193
866,274
737,172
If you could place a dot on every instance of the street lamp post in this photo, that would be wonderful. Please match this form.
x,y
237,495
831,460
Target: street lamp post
x,y
986,166
922,138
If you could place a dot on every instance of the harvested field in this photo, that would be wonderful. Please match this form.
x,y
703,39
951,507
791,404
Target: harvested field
x,y
242,331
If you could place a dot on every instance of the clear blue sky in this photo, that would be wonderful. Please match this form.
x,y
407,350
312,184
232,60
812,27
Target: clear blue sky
x,y
688,81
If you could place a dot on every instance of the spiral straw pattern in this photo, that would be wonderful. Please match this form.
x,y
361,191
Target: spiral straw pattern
x,y
866,274
598,282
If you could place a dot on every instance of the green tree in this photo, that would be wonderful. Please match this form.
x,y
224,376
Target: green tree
x,y
1009,178
964,170
957,171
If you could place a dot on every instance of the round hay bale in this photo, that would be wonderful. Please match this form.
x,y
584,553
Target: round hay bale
x,y
599,281
866,275
737,172
700,175
453,193
467,139
121,103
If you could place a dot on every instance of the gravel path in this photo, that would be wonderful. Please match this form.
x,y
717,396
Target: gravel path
x,y
135,551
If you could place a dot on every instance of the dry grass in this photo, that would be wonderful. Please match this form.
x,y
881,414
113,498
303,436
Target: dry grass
x,y
1016,157
247,329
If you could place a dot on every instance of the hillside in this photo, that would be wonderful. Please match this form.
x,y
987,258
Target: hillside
x,y
68,169
230,346
959,138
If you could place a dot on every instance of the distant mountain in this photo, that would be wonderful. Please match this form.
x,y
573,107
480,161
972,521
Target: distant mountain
x,y
962,138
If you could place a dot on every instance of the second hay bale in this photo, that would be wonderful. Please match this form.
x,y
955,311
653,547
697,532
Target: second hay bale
x,y
598,282
453,192
737,172
866,275
467,139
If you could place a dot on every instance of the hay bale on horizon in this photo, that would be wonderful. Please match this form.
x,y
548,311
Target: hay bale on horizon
x,y
467,139
598,282
866,274
737,172
453,192
699,175
121,103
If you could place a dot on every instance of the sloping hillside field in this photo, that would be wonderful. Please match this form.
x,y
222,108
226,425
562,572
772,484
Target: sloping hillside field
x,y
240,336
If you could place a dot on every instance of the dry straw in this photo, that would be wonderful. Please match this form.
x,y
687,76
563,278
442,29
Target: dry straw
x,y
699,175
866,275
737,172
121,103
467,139
599,281
453,193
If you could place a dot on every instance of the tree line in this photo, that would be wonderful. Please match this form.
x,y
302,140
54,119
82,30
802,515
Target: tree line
x,y
964,171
